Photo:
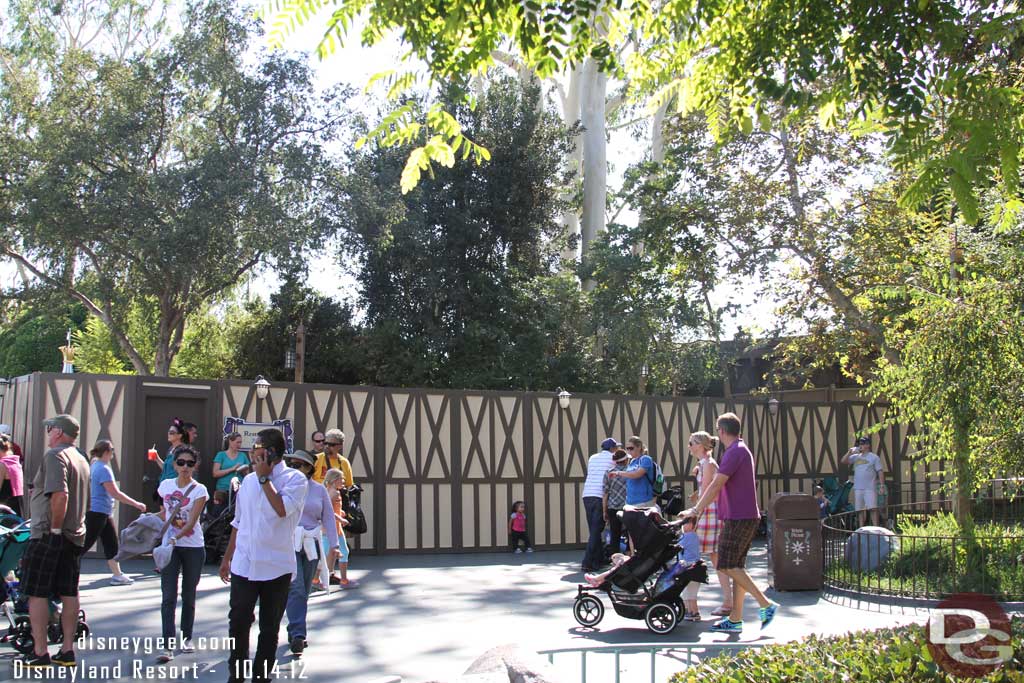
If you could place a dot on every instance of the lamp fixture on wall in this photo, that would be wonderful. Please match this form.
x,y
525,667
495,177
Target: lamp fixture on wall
x,y
289,359
262,387
773,406
563,398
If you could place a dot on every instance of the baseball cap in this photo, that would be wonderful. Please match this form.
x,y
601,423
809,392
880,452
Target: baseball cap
x,y
609,444
64,423
863,440
301,455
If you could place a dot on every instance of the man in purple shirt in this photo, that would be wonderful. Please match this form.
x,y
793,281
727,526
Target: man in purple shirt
x,y
737,508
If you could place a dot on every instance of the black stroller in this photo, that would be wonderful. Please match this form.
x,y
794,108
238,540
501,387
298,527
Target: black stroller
x,y
634,587
216,524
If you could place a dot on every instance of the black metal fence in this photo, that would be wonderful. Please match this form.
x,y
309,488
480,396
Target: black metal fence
x,y
922,554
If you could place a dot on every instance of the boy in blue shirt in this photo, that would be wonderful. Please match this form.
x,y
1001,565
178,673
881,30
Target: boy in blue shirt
x,y
689,554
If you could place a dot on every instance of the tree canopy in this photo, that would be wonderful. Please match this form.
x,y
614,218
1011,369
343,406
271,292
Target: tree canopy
x,y
940,78
161,176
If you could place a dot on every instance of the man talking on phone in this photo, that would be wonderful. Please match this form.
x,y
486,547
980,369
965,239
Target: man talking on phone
x,y
260,559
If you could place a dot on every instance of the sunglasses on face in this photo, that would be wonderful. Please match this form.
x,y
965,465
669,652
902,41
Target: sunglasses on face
x,y
318,440
172,432
295,464
331,443
257,446
185,463
630,448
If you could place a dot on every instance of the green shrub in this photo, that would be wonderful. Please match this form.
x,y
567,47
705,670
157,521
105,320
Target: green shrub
x,y
897,654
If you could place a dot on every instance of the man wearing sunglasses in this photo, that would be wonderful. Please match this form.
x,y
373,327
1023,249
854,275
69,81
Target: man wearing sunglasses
x,y
331,458
259,562
50,566
317,441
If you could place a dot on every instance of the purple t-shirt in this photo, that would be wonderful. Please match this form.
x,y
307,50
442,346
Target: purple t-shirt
x,y
738,498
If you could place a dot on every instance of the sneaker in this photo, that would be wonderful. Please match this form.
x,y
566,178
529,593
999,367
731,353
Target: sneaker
x,y
164,657
297,645
529,550
349,583
186,646
121,580
32,661
727,626
767,614
518,551
64,658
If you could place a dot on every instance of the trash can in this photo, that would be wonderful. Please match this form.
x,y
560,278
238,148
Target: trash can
x,y
795,554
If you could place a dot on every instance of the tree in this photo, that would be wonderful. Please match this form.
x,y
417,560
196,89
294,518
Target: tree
x,y
31,342
962,373
446,267
260,335
940,78
165,176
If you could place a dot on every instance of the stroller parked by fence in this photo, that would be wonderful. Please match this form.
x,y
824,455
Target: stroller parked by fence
x,y
837,494
646,586
14,535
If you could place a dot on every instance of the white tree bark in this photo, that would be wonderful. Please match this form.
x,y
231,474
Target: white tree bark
x,y
594,89
570,97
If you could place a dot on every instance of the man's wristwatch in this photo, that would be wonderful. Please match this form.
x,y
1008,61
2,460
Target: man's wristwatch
x,y
264,479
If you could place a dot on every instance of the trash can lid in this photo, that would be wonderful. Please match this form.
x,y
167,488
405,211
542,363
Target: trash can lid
x,y
793,506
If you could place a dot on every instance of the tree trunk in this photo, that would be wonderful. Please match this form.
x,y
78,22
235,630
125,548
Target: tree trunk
x,y
841,301
595,152
571,216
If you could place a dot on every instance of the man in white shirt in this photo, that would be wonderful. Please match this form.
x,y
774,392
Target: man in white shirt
x,y
867,479
593,503
260,559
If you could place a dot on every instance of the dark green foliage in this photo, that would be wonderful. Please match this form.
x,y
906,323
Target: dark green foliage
x,y
30,343
457,275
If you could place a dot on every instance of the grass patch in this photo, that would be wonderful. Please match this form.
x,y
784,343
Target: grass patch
x,y
897,654
932,560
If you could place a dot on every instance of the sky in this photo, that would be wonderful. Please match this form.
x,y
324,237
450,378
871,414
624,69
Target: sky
x,y
353,65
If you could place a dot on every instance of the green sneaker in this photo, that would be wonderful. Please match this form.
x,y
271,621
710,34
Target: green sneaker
x,y
727,626
767,614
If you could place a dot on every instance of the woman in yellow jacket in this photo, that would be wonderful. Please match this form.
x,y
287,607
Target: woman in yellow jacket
x,y
334,442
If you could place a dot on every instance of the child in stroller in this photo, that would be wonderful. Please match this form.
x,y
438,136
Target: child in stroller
x,y
14,535
644,586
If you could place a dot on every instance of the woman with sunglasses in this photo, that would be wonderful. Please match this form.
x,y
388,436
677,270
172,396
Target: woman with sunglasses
x,y
186,498
317,515
176,436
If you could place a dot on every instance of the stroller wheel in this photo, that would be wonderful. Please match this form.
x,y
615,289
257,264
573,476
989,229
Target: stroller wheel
x,y
21,636
660,618
588,610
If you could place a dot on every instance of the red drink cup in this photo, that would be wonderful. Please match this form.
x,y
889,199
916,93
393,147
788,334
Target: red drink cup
x,y
152,454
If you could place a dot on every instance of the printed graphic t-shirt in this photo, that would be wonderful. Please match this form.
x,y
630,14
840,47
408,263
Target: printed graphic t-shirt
x,y
171,494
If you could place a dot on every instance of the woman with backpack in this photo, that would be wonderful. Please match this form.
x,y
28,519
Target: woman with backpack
x,y
639,475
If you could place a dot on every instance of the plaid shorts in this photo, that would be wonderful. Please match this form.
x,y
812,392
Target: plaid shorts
x,y
708,528
49,569
734,542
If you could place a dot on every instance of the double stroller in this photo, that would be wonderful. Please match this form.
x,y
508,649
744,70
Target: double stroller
x,y
14,535
648,585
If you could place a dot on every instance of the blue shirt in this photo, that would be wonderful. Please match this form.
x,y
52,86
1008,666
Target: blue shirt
x,y
225,462
168,471
689,543
99,499
640,490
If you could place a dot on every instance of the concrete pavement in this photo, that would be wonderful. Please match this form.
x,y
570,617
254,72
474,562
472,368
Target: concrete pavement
x,y
423,617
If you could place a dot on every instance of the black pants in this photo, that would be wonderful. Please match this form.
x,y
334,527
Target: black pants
x,y
101,526
515,536
272,596
615,527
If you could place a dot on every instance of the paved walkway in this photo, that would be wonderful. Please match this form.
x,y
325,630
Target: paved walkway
x,y
429,616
